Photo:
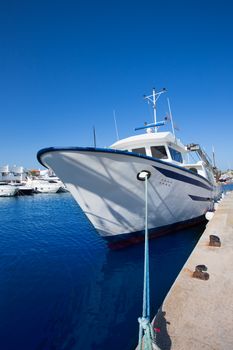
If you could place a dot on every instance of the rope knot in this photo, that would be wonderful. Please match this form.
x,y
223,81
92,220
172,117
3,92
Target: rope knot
x,y
144,322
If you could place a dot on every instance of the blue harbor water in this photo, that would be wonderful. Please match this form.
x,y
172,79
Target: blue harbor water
x,y
62,288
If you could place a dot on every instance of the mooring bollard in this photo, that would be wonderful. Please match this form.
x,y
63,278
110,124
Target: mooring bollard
x,y
214,241
200,273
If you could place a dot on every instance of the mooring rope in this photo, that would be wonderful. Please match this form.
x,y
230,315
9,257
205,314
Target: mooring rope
x,y
146,332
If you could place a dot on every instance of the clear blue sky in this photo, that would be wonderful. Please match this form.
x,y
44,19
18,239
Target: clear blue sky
x,y
66,65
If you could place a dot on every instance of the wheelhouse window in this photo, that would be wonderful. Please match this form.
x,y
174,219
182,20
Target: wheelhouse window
x,y
140,151
176,155
159,152
193,170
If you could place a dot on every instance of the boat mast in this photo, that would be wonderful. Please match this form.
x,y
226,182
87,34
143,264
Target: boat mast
x,y
153,99
154,105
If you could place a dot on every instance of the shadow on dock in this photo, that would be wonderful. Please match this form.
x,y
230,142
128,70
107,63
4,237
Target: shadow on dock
x,y
163,339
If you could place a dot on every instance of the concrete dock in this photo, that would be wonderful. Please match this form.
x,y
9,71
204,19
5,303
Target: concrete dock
x,y
198,313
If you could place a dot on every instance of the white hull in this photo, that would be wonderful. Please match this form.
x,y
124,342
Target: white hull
x,y
46,189
104,183
43,186
7,191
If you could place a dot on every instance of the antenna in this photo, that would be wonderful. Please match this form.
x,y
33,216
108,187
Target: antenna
x,y
153,99
214,163
94,137
170,114
114,116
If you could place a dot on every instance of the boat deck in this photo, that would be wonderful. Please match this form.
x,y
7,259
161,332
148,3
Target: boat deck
x,y
198,311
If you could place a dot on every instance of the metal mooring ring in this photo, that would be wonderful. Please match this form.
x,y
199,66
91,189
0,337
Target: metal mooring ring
x,y
142,175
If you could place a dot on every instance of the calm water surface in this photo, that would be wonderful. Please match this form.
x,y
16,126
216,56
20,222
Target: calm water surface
x,y
62,288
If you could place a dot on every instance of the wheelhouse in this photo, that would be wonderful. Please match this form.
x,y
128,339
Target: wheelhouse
x,y
164,146
161,145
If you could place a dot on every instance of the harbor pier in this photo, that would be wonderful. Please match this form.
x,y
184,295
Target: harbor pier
x,y
197,313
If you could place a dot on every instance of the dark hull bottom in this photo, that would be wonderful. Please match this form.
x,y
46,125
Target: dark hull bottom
x,y
125,240
25,192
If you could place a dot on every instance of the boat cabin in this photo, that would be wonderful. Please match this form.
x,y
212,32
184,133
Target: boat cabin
x,y
165,146
162,145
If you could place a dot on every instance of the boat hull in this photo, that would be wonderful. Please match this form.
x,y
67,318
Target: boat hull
x,y
25,191
43,189
7,191
122,241
43,186
105,184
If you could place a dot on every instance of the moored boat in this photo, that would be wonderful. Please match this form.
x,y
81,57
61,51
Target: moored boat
x,y
106,182
24,189
43,186
7,190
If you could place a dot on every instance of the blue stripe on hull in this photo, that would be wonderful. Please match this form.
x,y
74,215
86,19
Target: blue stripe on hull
x,y
180,177
127,239
200,199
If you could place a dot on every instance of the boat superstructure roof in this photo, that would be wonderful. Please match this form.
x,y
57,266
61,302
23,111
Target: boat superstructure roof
x,y
152,139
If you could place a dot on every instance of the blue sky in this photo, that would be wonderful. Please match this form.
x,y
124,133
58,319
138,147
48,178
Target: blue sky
x,y
66,65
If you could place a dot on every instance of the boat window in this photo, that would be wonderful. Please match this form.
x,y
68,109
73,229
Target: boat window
x,y
159,152
176,155
140,151
194,170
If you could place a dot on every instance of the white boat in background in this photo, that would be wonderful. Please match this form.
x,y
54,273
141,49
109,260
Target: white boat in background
x,y
43,186
55,180
28,182
107,186
7,190
23,189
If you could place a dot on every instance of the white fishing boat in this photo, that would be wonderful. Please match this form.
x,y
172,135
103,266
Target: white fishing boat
x,y
106,182
7,190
